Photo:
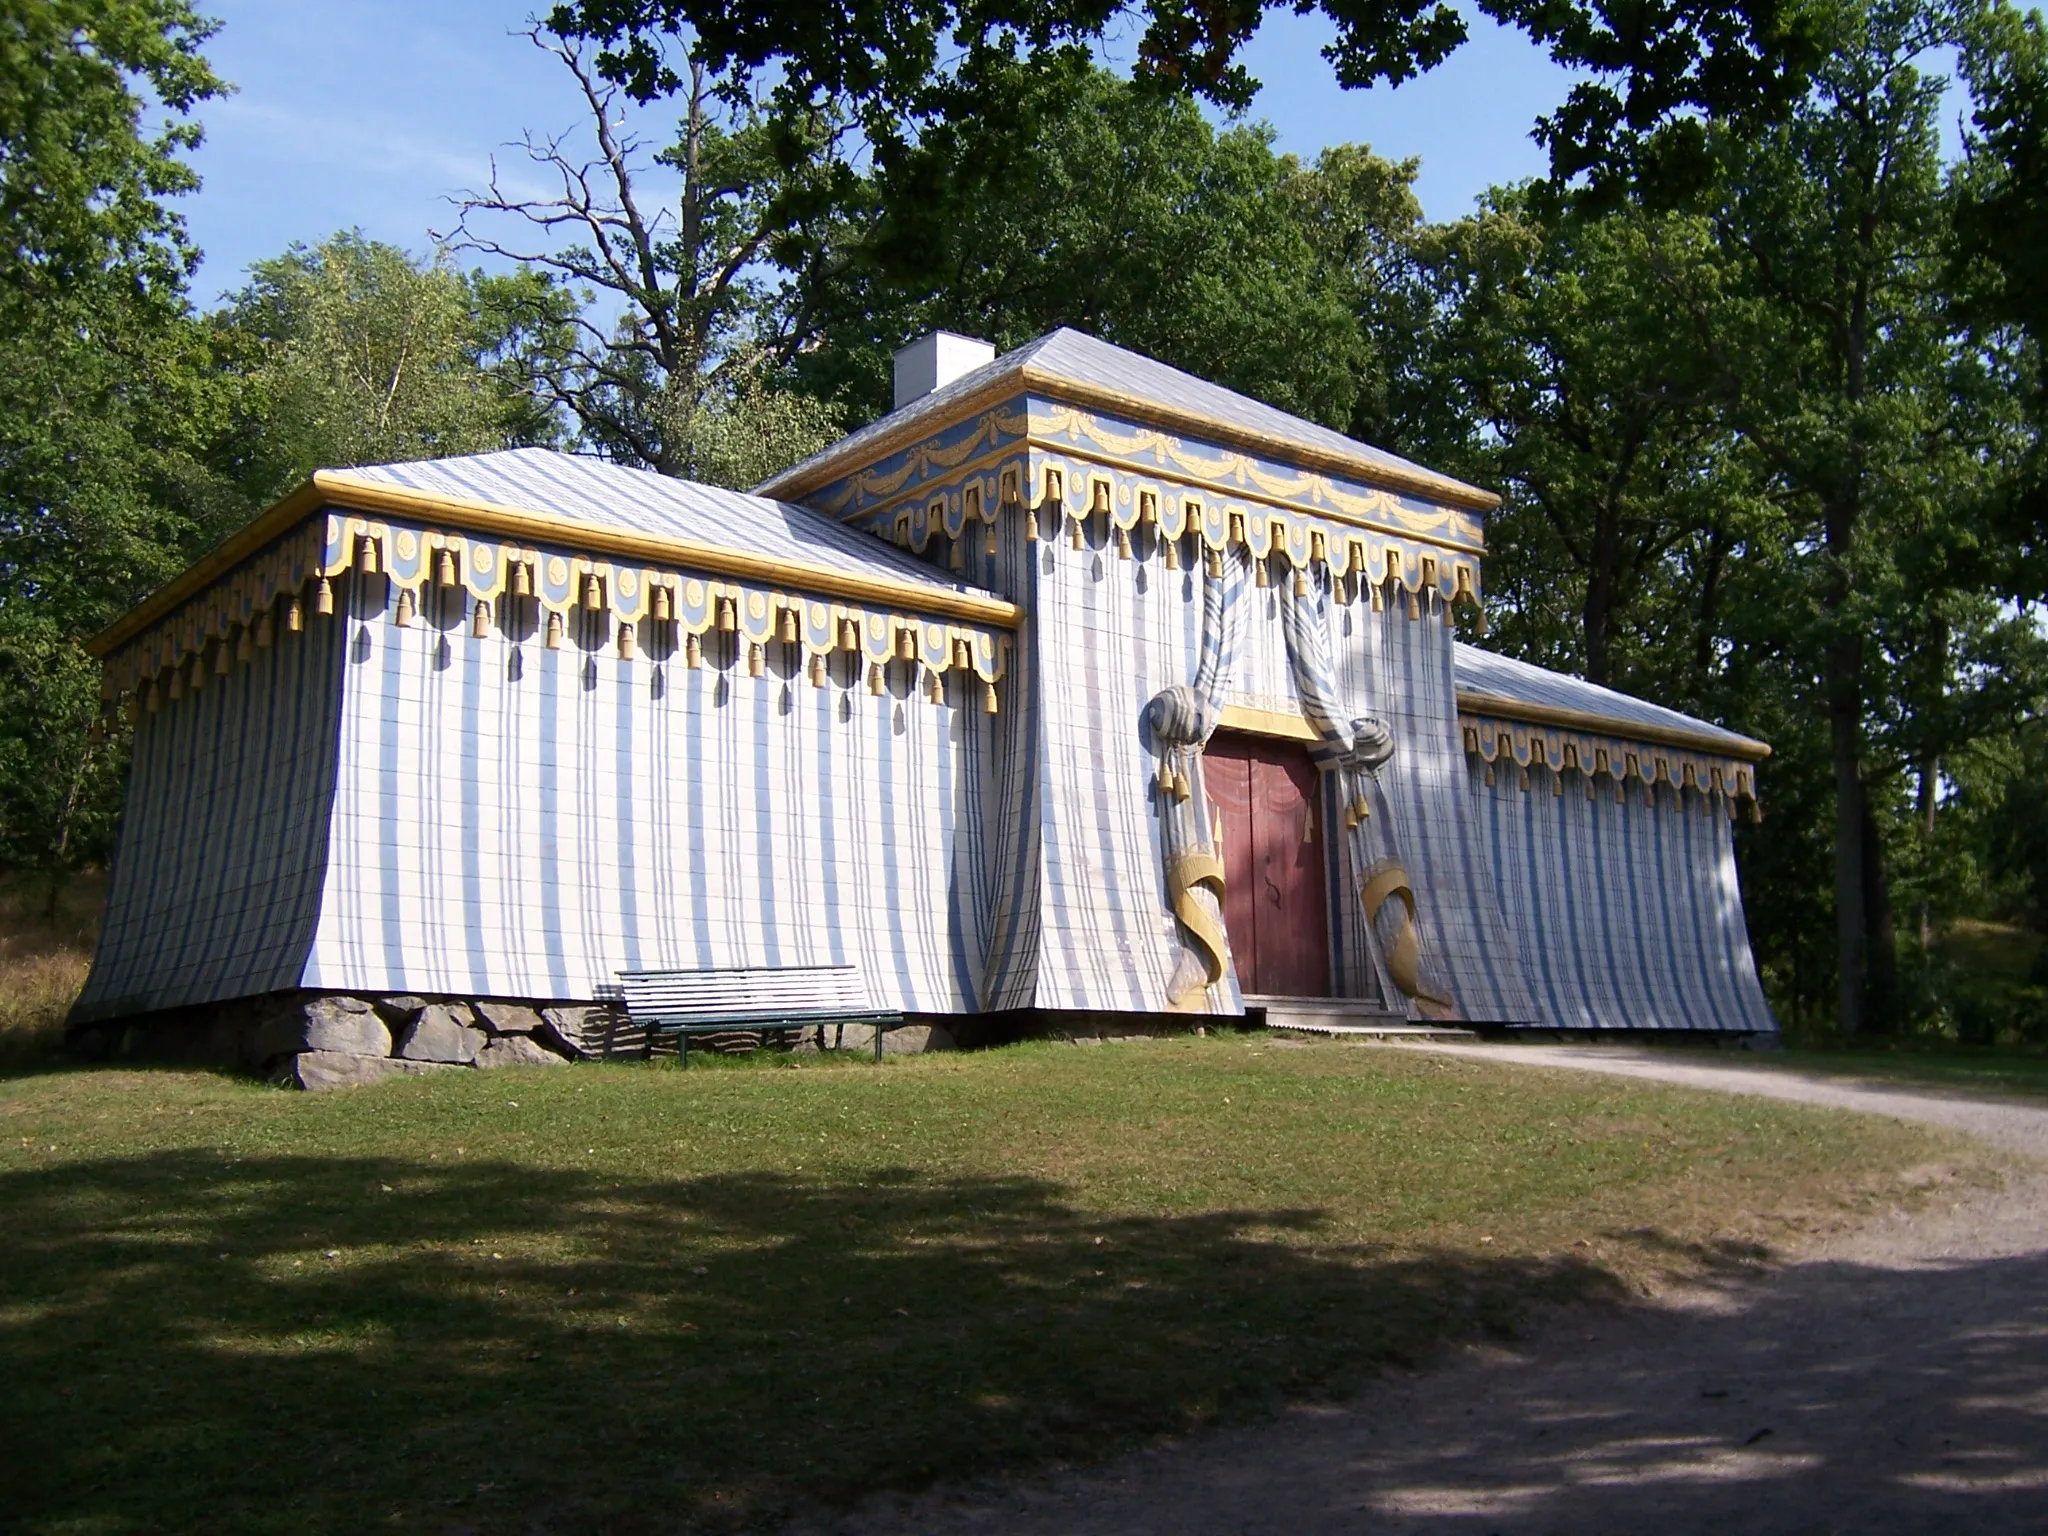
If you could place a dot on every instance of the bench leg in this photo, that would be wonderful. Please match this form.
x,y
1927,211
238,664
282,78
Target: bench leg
x,y
683,1046
878,1044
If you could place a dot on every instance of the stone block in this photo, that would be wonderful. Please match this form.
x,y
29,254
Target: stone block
x,y
507,1018
399,1011
345,1026
517,1051
575,1029
318,1071
442,1032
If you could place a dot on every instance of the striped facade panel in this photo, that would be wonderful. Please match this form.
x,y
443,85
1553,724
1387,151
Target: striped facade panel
x,y
1110,634
1399,669
1626,914
224,836
515,821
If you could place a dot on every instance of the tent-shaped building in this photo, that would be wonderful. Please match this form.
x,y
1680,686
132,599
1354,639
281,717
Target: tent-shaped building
x,y
1074,687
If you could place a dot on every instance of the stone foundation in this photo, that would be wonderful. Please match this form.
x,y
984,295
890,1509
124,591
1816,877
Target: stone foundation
x,y
332,1040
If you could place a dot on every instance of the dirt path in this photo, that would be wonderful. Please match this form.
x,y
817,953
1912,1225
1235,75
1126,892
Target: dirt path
x,y
1893,1379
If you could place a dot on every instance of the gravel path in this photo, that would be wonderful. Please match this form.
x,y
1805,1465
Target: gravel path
x,y
1894,1378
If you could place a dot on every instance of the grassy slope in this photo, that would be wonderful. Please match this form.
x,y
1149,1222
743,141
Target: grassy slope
x,y
626,1297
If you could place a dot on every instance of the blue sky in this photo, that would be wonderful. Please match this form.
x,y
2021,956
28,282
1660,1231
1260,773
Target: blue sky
x,y
370,113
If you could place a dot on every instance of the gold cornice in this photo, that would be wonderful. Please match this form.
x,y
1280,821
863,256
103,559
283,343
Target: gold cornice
x,y
332,488
1492,706
1209,492
1441,489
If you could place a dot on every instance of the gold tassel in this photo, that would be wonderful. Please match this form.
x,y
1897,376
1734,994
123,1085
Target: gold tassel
x,y
817,671
663,610
221,659
935,688
366,557
1556,785
1074,532
849,636
245,645
906,645
266,630
593,592
177,683
1123,544
1260,574
875,684
1522,779
1215,559
1181,788
789,626
522,580
1164,778
1447,617
1489,775
294,620
1361,809
1414,608
625,642
1173,554
693,652
323,600
480,620
1300,582
988,544
554,635
988,699
1031,525
444,570
757,661
728,617
1379,599
403,615
198,680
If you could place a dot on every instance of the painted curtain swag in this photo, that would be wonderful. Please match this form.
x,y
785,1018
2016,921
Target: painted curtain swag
x,y
1182,718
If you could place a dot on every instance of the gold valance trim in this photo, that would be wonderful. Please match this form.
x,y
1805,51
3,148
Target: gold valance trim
x,y
334,488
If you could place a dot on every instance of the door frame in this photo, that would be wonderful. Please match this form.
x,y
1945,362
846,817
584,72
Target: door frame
x,y
1290,726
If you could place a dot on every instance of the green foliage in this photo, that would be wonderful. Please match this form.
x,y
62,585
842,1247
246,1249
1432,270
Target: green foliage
x,y
910,72
107,398
353,352
1130,217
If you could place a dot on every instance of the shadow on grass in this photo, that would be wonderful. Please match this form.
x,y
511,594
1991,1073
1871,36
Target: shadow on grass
x,y
325,1343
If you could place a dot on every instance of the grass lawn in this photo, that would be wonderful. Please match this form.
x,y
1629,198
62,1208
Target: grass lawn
x,y
1985,1069
616,1298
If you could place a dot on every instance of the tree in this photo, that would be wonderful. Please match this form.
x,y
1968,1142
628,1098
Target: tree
x,y
353,352
1567,360
1128,216
1828,343
912,72
663,353
106,396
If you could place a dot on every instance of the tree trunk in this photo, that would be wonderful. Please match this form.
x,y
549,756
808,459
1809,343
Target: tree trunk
x,y
1845,730
1880,939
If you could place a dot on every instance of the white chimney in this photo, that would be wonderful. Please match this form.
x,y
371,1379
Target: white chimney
x,y
934,361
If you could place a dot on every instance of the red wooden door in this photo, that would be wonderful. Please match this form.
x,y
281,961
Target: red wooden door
x,y
1275,867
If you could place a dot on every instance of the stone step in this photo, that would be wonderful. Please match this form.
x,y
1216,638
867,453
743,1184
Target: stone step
x,y
1345,1017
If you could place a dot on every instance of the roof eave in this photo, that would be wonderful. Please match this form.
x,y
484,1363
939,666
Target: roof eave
x,y
802,479
1745,748
336,489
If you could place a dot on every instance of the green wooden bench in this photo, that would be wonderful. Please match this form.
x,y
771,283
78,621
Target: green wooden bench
x,y
769,999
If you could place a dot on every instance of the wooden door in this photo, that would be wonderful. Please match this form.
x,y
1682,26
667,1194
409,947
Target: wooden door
x,y
1275,864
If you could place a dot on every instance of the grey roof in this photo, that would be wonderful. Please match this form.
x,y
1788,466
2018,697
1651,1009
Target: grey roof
x,y
1084,359
1505,678
550,484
